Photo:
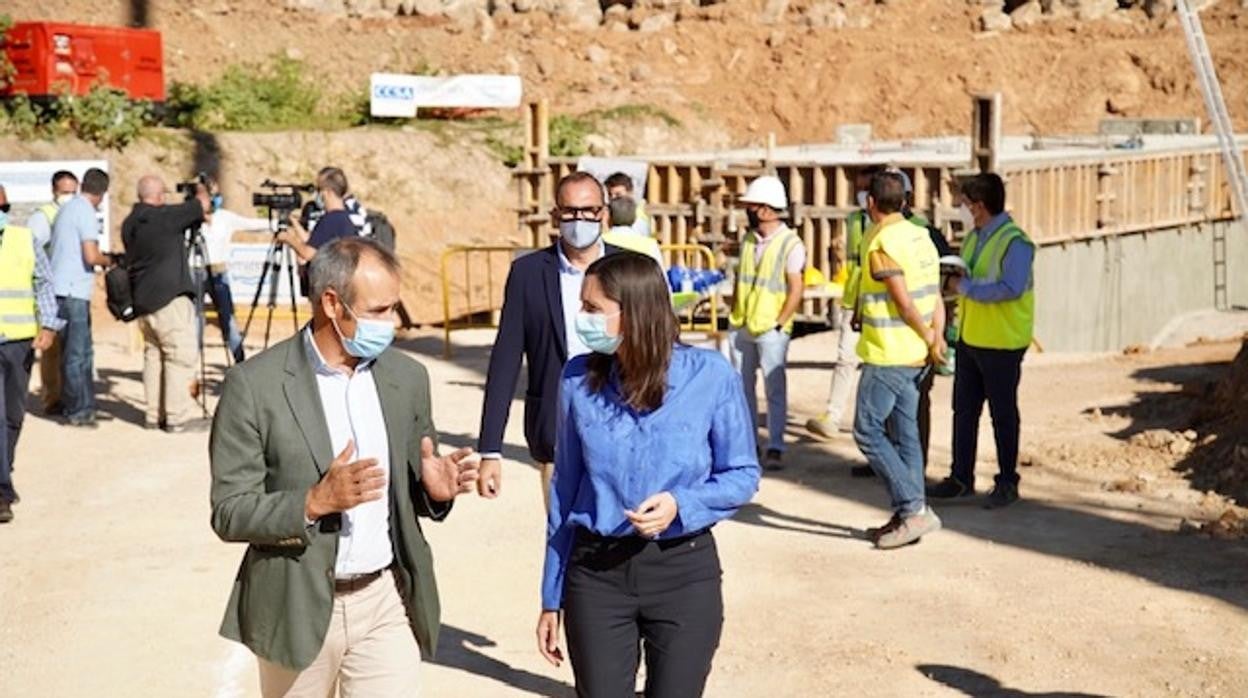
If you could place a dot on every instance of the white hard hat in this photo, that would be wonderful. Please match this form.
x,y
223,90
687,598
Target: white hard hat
x,y
766,190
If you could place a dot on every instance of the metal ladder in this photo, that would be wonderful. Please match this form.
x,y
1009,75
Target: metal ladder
x,y
1236,173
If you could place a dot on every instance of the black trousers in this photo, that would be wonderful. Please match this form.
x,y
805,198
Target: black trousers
x,y
986,374
16,358
622,592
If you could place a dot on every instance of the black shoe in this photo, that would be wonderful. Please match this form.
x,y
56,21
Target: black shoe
x,y
199,425
6,512
774,460
85,420
949,488
1002,496
861,471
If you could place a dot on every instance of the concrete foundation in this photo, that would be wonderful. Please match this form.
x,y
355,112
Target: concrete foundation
x,y
1108,294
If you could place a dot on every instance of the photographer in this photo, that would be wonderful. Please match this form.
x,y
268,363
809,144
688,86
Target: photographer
x,y
219,227
155,240
336,222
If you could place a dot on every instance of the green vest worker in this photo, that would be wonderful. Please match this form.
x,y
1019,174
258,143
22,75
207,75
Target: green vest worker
x,y
767,295
902,326
28,321
995,329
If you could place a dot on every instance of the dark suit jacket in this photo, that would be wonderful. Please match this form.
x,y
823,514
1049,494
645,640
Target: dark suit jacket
x,y
269,445
531,327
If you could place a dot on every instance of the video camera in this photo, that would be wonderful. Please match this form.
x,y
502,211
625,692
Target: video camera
x,y
282,198
191,187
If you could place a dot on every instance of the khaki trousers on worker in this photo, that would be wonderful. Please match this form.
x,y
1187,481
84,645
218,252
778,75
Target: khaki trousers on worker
x,y
369,651
169,362
50,375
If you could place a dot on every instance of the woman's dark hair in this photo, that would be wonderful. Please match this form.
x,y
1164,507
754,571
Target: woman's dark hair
x,y
647,325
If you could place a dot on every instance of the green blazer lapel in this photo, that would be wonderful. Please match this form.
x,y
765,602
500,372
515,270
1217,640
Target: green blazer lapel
x,y
395,410
305,404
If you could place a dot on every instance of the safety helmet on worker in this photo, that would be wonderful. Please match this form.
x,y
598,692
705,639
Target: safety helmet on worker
x,y
768,191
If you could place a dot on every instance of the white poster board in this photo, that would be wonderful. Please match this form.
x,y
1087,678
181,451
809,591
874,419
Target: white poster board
x,y
28,184
399,95
246,264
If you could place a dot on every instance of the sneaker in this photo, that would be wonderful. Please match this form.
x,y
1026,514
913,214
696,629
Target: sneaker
x,y
86,420
774,460
862,471
1002,496
949,488
822,426
873,534
6,512
910,530
190,426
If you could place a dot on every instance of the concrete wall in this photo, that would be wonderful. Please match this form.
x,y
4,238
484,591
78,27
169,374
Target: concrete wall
x,y
1107,294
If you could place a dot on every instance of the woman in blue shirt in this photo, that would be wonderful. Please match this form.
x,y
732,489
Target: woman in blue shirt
x,y
655,445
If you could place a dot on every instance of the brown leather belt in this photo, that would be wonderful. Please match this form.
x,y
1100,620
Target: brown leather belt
x,y
346,586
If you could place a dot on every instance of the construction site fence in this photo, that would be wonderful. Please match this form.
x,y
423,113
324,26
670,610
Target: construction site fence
x,y
473,279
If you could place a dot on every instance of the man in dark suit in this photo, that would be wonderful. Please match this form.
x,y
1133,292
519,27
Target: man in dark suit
x,y
540,303
337,585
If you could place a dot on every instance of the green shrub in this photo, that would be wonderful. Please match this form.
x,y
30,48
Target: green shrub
x,y
567,135
251,96
105,116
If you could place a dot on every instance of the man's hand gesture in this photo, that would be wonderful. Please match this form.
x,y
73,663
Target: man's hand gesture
x,y
443,477
346,484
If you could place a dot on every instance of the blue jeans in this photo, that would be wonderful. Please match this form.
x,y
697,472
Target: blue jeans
x,y
218,288
768,351
886,428
77,358
16,358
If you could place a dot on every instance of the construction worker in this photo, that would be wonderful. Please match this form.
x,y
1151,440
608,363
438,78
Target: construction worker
x,y
994,331
620,185
28,321
902,321
767,295
845,360
64,188
622,216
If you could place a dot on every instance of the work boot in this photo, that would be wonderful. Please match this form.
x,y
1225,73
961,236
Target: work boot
x,y
910,530
949,488
1003,495
6,512
774,460
822,426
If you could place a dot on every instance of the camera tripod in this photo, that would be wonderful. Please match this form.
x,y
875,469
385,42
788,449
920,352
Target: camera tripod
x,y
278,257
199,275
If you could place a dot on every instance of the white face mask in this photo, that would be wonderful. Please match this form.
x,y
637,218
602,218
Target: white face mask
x,y
965,217
62,199
580,234
862,200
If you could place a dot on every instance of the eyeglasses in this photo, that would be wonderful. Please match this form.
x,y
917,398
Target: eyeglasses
x,y
5,208
587,213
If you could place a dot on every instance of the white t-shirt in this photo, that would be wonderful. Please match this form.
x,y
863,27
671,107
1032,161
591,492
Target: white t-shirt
x,y
795,264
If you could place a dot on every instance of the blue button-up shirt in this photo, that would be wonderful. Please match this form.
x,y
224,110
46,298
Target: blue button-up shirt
x,y
1015,268
698,445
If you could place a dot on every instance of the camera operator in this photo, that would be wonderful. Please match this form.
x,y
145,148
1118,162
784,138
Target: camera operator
x,y
155,240
219,227
331,194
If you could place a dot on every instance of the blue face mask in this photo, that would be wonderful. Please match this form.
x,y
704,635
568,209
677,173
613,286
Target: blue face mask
x,y
217,202
580,234
4,220
592,329
371,336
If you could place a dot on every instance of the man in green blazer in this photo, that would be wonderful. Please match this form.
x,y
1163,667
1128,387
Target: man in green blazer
x,y
337,584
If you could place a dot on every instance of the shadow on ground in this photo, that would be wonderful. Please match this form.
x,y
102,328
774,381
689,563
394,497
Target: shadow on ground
x,y
977,685
460,649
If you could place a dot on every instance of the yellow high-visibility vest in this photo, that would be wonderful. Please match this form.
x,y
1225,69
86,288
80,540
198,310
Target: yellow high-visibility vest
x,y
1006,324
762,287
49,211
17,286
886,338
855,226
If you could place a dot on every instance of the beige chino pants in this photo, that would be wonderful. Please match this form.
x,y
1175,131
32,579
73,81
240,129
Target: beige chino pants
x,y
369,651
169,356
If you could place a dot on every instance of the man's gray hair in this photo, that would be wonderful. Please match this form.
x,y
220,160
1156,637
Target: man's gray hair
x,y
334,266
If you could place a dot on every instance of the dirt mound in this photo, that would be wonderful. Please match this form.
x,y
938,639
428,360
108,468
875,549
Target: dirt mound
x,y
740,68
1220,461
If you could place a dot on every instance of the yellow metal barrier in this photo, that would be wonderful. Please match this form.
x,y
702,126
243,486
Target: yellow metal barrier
x,y
468,252
690,323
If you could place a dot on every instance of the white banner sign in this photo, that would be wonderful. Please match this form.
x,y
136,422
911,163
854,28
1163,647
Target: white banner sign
x,y
246,264
397,95
28,185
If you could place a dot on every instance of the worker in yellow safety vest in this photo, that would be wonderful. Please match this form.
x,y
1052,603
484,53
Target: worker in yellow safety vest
x,y
845,359
623,214
28,321
620,185
902,327
766,296
996,317
64,188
